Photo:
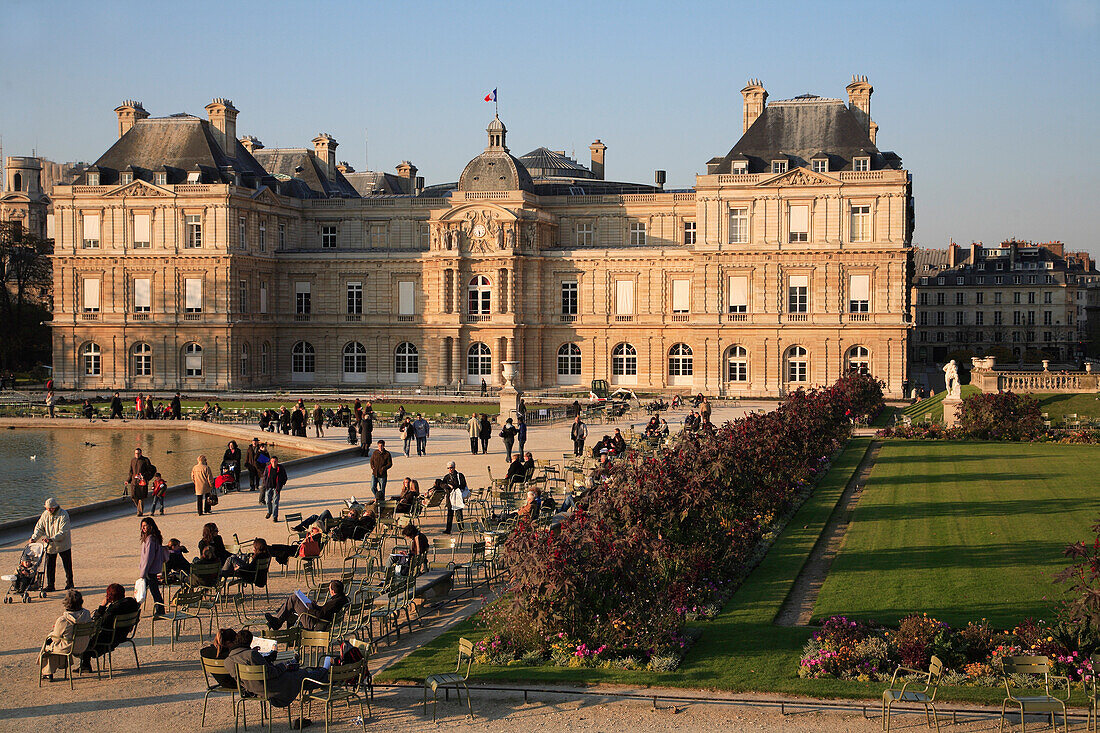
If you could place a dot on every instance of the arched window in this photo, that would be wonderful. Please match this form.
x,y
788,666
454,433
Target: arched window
x,y
245,349
569,360
406,360
859,359
303,359
142,356
798,369
355,358
17,180
92,357
192,360
680,362
624,361
265,352
479,360
480,296
737,364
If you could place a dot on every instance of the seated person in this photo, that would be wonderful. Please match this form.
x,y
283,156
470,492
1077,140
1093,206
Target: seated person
x,y
663,431
223,644
243,566
211,537
311,545
284,680
418,541
176,561
652,427
62,640
618,443
530,508
23,578
410,493
105,638
87,410
358,523
516,471
528,464
308,614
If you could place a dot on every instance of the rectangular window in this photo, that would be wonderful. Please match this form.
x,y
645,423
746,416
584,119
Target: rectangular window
x,y
1016,298
192,224
979,318
91,295
406,298
1048,318
192,295
859,293
959,318
681,296
569,293
328,237
924,318
739,226
798,294
779,166
861,223
637,233
922,299
1031,298
161,179
355,299
998,318
378,236
1048,298
1017,318
1048,336
689,232
739,294
979,297
861,164
624,297
960,298
997,298
263,236
979,280
143,295
91,231
940,318
1031,318
142,240
819,166
242,233
302,299
939,298
282,235
799,221
960,281
585,234
242,295
263,297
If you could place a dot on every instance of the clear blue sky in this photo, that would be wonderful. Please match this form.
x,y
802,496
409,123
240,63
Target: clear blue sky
x,y
993,106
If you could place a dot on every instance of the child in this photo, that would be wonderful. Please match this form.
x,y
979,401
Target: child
x,y
352,437
23,578
158,488
176,562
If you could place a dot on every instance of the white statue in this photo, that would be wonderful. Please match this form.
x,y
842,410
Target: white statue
x,y
951,376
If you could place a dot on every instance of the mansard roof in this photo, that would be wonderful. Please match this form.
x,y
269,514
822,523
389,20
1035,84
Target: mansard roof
x,y
300,164
801,129
545,163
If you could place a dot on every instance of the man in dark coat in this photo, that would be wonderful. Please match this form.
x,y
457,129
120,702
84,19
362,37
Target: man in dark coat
x,y
116,407
310,616
283,683
177,409
252,465
106,637
142,471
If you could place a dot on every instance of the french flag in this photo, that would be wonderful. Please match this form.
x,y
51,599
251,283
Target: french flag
x,y
491,96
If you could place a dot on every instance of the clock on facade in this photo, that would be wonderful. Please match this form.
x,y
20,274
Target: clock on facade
x,y
479,231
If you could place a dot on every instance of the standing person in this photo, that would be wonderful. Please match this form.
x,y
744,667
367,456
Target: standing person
x,y
116,407
484,387
274,481
406,433
153,557
521,412
142,471
508,435
284,420
704,411
318,421
521,432
579,433
421,429
298,422
366,431
380,464
232,457
177,408
150,414
457,493
473,427
50,401
203,479
484,432
139,406
158,488
252,465
53,528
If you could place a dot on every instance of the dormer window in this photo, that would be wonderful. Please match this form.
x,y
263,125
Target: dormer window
x,y
740,167
861,163
194,176
93,179
819,165
161,179
126,178
779,166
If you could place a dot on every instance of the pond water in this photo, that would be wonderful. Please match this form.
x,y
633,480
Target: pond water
x,y
84,466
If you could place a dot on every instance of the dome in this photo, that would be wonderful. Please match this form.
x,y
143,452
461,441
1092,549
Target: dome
x,y
495,170
496,126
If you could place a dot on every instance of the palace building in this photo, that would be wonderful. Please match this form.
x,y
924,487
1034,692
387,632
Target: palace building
x,y
187,257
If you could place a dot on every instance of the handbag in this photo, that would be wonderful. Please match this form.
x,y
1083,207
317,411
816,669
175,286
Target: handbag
x,y
139,590
212,499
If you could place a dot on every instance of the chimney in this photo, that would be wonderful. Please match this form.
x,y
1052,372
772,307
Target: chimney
x,y
407,172
597,149
129,112
251,144
974,247
324,147
223,118
952,254
419,185
659,179
756,98
345,167
859,102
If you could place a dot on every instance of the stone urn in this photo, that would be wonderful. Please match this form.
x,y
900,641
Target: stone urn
x,y
1088,367
508,372
1046,365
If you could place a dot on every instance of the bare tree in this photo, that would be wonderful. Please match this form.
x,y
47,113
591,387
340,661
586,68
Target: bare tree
x,y
25,275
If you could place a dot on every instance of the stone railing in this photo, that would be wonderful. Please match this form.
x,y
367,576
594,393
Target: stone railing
x,y
986,379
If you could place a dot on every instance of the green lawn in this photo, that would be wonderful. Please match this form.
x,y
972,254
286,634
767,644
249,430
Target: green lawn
x,y
963,531
1057,405
931,408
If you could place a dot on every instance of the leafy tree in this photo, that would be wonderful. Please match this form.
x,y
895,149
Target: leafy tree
x,y
25,273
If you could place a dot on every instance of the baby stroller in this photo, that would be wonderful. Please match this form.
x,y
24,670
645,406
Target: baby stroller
x,y
227,481
28,576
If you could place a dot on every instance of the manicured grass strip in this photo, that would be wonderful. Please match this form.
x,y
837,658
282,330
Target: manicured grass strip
x,y
963,531
932,407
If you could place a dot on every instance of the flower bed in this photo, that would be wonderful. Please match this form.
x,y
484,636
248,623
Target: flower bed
x,y
666,537
999,416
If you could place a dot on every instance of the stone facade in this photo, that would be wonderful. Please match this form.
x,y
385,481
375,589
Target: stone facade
x,y
232,275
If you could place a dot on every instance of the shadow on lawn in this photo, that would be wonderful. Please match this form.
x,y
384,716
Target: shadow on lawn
x,y
963,508
913,479
932,557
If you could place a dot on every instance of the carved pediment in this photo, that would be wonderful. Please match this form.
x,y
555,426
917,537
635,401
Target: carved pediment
x,y
800,177
139,188
266,195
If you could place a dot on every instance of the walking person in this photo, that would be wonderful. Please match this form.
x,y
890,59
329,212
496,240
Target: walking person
x,y
298,422
318,421
508,435
484,432
579,433
252,464
704,411
457,493
50,401
177,408
484,387
521,431
142,471
158,489
421,429
473,427
116,407
274,481
203,478
366,431
232,459
153,557
406,433
380,464
53,529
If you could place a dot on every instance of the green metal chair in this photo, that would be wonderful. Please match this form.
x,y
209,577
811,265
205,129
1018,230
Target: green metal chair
x,y
344,685
452,680
253,673
83,630
925,696
1045,703
210,668
123,627
187,605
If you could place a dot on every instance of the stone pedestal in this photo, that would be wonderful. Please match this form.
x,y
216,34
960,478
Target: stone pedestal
x,y
509,395
952,411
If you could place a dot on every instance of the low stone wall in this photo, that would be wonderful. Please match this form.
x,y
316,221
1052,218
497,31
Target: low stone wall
x,y
987,379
